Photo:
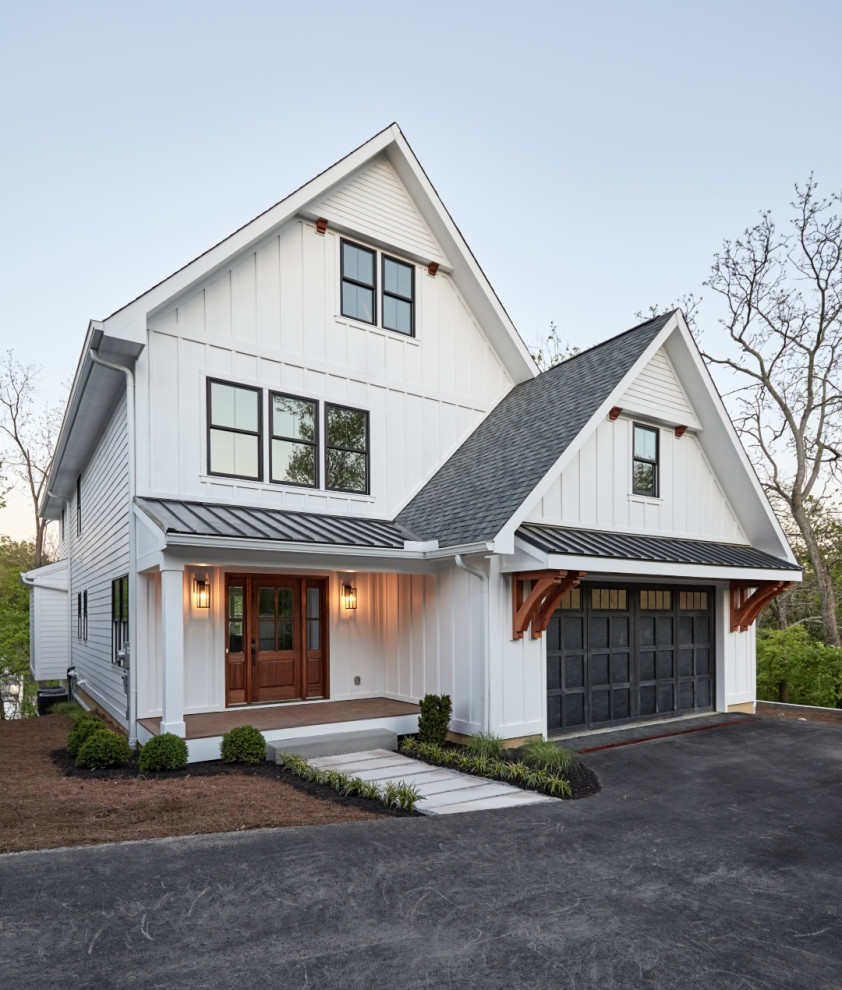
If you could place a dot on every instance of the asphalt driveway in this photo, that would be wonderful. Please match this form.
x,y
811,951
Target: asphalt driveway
x,y
709,860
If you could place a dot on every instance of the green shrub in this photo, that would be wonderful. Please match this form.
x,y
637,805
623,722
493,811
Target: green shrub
x,y
434,720
245,744
164,752
793,668
71,708
103,748
544,755
485,744
85,724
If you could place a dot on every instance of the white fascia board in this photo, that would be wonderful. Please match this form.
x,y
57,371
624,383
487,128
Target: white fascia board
x,y
273,546
504,541
465,549
661,571
721,444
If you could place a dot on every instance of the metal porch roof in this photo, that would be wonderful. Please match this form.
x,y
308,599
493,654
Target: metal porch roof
x,y
631,546
242,522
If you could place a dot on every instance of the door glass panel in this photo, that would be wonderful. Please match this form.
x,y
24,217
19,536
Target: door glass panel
x,y
235,637
313,603
285,635
267,635
573,599
266,600
609,598
312,634
235,602
285,603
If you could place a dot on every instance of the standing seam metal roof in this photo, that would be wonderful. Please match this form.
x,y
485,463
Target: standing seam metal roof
x,y
242,522
477,490
631,546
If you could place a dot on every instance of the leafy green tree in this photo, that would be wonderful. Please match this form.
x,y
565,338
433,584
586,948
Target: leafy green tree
x,y
17,690
792,667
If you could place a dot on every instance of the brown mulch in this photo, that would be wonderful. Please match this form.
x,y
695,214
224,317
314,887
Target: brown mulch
x,y
771,710
43,808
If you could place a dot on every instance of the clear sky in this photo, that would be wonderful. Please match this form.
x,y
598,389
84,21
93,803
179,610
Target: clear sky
x,y
594,155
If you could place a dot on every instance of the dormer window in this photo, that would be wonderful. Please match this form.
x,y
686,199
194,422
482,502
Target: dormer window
x,y
645,461
360,290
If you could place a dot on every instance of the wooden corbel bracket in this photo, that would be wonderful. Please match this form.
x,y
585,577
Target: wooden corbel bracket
x,y
546,591
746,604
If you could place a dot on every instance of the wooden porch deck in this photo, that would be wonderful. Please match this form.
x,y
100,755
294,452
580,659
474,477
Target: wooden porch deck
x,y
287,716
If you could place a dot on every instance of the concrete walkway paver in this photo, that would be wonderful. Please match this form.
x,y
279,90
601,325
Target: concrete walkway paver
x,y
443,791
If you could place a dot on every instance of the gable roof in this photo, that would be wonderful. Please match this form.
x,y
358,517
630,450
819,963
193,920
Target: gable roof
x,y
129,322
476,492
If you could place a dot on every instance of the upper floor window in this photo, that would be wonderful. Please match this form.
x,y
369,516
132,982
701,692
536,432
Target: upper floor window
x,y
359,286
645,461
346,450
79,505
234,430
360,291
398,295
294,450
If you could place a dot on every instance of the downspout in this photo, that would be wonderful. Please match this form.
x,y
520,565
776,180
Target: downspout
x,y
486,639
130,428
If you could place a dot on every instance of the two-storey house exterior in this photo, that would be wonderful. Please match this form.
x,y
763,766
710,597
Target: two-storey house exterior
x,y
315,475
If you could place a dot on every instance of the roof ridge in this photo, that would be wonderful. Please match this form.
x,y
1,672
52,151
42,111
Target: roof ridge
x,y
611,340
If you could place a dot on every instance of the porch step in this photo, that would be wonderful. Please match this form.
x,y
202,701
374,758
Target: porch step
x,y
332,744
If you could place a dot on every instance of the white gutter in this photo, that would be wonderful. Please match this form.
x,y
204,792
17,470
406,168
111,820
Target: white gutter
x,y
486,639
32,583
130,429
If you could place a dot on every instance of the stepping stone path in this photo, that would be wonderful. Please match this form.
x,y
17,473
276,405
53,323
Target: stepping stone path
x,y
444,791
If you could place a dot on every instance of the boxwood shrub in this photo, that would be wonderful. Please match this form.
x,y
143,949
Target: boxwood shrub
x,y
103,748
85,724
244,744
434,720
164,752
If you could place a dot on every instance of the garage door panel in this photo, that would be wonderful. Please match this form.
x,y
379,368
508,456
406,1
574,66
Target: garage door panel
x,y
629,653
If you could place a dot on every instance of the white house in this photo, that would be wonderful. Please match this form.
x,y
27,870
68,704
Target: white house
x,y
315,474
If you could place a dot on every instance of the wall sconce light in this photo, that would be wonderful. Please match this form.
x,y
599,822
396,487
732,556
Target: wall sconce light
x,y
201,592
349,596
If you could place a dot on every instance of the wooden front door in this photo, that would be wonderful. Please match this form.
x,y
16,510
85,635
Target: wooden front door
x,y
276,639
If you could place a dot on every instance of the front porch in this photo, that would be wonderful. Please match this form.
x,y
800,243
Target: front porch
x,y
204,731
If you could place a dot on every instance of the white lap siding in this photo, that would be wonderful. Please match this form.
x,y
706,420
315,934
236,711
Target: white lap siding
x,y
99,554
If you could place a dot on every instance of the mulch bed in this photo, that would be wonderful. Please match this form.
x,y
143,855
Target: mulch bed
x,y
768,709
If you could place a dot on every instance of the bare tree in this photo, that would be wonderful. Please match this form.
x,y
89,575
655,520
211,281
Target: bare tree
x,y
783,297
552,349
30,435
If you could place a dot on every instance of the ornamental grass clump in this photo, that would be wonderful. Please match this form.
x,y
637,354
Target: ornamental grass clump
x,y
243,744
164,752
103,748
485,744
393,794
544,755
85,725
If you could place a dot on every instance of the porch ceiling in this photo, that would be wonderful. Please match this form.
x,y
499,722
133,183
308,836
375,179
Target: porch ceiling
x,y
287,716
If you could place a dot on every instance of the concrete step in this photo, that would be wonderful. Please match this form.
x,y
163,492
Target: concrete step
x,y
333,744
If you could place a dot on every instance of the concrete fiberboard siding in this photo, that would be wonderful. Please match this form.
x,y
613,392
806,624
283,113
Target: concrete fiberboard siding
x,y
99,554
594,490
658,391
424,394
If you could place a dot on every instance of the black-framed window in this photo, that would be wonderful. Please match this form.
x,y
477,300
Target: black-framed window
x,y
235,436
359,282
79,505
346,449
63,516
119,617
294,441
398,296
79,615
645,460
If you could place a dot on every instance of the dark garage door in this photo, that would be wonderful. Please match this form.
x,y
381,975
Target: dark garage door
x,y
619,653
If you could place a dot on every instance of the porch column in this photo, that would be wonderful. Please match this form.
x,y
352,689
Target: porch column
x,y
172,652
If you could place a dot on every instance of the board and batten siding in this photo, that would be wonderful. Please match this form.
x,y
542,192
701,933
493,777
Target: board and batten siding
x,y
272,321
657,391
595,490
375,203
98,555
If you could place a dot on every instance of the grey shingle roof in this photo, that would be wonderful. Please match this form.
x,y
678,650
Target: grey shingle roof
x,y
474,494
631,546
242,522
